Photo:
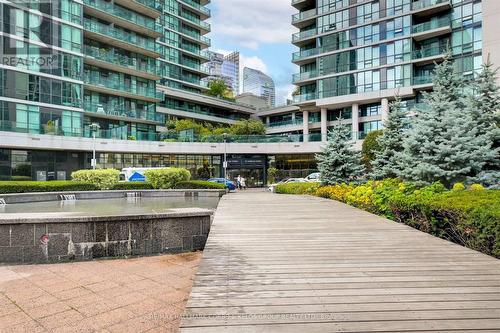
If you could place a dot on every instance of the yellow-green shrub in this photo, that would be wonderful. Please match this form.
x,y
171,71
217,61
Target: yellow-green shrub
x,y
477,187
458,187
297,188
104,179
167,178
335,192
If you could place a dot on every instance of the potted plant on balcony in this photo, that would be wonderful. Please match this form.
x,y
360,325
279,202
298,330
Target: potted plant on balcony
x,y
50,127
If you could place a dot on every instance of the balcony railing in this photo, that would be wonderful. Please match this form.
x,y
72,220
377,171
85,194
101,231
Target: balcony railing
x,y
145,43
119,85
304,76
290,122
304,34
303,15
427,3
124,14
174,106
122,111
154,4
199,7
429,52
305,97
122,133
121,60
431,25
204,25
196,36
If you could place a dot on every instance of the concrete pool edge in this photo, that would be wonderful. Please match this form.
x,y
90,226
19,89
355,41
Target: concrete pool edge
x,y
14,198
89,238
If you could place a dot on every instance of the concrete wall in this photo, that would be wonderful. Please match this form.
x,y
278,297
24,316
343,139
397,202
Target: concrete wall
x,y
87,238
52,142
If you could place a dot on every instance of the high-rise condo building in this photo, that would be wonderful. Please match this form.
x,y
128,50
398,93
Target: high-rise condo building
x,y
355,56
259,84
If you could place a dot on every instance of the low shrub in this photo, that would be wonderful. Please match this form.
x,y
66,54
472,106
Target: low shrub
x,y
199,185
20,178
51,186
132,186
167,178
104,179
297,188
476,187
458,187
335,192
469,218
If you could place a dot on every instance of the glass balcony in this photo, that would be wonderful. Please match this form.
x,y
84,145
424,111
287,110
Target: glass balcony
x,y
154,4
427,3
290,122
199,7
422,79
124,14
122,111
145,43
121,60
202,24
119,85
304,76
303,15
431,25
175,106
429,52
303,34
305,97
196,36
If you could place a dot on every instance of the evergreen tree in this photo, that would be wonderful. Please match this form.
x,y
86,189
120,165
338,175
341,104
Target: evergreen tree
x,y
386,162
484,107
338,161
441,146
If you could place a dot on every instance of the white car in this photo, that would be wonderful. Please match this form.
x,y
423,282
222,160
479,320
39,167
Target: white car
x,y
313,177
272,187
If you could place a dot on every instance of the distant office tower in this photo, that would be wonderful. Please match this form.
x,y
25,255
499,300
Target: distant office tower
x,y
259,84
226,68
231,70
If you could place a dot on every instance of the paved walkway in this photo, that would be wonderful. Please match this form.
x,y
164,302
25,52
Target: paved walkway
x,y
126,295
277,263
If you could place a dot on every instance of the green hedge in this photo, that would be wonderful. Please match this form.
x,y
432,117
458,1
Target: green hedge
x,y
132,186
297,188
104,179
467,217
199,185
167,178
51,186
20,178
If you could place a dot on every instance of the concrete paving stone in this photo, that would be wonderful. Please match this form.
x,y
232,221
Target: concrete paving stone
x,y
66,318
72,293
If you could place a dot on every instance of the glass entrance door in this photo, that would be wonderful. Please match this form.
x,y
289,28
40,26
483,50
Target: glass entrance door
x,y
253,177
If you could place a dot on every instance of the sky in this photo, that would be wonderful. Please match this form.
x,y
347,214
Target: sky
x,y
261,31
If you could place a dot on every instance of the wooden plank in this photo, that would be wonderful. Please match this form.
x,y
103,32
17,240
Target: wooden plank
x,y
277,263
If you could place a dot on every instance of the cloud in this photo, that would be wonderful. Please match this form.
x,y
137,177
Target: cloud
x,y
250,23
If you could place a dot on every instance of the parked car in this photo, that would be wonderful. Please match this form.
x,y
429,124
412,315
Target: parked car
x,y
272,187
229,184
313,177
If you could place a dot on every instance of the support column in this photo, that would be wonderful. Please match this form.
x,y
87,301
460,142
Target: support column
x,y
268,120
355,121
385,110
324,125
305,125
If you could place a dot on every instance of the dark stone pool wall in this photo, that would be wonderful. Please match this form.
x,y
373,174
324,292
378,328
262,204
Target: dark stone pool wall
x,y
62,239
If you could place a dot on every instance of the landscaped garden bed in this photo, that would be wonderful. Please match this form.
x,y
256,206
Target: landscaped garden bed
x,y
470,217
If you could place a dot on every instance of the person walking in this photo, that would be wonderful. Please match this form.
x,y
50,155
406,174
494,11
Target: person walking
x,y
243,183
238,182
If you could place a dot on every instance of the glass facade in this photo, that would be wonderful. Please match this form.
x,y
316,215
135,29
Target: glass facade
x,y
352,47
259,84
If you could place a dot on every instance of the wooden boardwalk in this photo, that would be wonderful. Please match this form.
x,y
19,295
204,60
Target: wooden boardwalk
x,y
277,263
